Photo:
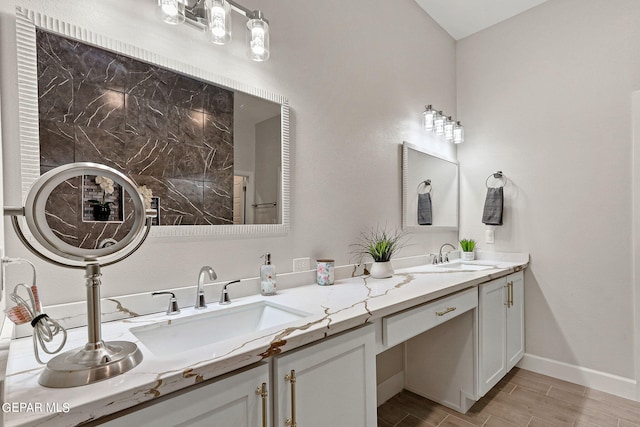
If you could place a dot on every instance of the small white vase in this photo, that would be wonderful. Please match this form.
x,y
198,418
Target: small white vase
x,y
381,270
468,256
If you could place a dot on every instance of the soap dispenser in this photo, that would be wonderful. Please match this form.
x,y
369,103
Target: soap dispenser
x,y
267,276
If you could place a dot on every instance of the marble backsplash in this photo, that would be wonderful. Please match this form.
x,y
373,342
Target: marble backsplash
x,y
165,130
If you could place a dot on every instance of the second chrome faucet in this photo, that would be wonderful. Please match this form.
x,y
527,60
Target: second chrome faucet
x,y
206,270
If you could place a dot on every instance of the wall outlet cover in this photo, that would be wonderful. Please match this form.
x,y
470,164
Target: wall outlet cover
x,y
489,236
301,264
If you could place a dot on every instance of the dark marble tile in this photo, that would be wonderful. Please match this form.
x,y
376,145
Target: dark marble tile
x,y
61,211
99,107
218,203
55,95
146,117
218,100
57,143
185,126
148,156
218,130
190,162
188,93
101,146
149,81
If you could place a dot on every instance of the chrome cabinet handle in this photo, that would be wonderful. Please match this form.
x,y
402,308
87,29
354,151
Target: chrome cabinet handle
x,y
448,310
262,392
291,377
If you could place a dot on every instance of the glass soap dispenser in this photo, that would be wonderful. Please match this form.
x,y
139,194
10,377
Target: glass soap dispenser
x,y
267,276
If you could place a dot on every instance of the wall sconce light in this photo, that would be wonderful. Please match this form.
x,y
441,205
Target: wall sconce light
x,y
214,16
458,133
435,121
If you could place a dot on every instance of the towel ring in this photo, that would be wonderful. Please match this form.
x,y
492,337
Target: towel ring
x,y
497,175
427,184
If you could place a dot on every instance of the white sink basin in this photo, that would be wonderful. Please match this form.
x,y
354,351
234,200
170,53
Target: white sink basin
x,y
176,335
465,266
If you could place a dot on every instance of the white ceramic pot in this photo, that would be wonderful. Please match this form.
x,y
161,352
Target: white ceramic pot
x,y
381,270
468,256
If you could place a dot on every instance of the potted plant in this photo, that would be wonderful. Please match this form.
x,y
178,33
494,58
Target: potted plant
x,y
102,209
381,246
467,245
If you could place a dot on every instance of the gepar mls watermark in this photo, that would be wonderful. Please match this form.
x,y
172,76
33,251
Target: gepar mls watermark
x,y
36,407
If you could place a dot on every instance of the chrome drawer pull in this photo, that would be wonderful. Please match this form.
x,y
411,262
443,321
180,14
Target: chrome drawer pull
x,y
448,310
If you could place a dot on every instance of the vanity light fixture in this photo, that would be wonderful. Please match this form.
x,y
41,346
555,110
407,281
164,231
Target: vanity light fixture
x,y
458,133
435,121
214,17
438,123
428,116
448,129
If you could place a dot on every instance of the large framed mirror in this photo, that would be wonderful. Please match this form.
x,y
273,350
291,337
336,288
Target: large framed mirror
x,y
212,153
430,190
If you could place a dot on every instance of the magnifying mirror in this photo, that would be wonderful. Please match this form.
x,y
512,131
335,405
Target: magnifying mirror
x,y
97,197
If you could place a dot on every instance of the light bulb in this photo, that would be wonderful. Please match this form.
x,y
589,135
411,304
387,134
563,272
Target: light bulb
x,y
258,37
458,133
448,129
427,118
438,123
218,21
171,11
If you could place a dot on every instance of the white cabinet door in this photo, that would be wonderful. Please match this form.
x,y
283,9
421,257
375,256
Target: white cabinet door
x,y
231,401
501,324
515,320
332,383
493,333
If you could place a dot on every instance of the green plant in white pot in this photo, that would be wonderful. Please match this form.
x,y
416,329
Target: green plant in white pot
x,y
381,246
467,246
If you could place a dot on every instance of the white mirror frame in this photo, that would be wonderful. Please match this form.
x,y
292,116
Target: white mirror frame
x,y
406,225
26,23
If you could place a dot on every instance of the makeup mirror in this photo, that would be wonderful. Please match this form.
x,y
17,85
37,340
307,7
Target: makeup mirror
x,y
427,172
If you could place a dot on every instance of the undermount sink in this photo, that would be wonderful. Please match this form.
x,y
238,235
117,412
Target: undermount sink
x,y
465,266
177,335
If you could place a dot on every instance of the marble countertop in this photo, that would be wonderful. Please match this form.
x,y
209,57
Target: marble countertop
x,y
347,304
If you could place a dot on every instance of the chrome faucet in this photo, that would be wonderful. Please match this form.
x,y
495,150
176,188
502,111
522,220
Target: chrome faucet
x,y
224,296
446,255
173,302
200,302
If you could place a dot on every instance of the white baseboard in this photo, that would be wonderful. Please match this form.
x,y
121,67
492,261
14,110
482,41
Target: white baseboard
x,y
389,388
603,381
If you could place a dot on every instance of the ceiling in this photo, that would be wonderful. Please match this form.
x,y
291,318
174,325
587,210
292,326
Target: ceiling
x,y
461,18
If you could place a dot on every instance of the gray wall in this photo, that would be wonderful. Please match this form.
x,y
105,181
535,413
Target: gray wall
x,y
546,97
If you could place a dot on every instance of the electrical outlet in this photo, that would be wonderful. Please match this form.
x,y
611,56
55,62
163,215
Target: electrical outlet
x,y
489,236
301,264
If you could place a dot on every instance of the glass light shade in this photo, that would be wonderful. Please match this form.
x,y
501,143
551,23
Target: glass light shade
x,y
448,129
258,38
171,11
438,123
427,118
458,133
218,21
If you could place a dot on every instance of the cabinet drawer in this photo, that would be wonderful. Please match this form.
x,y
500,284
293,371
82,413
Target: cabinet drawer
x,y
410,323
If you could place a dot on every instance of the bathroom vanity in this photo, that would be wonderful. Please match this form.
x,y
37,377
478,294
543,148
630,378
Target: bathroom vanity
x,y
319,353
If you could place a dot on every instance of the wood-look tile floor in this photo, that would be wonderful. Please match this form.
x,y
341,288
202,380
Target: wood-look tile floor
x,y
523,399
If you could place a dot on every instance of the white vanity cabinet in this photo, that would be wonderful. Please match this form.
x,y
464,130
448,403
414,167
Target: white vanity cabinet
x,y
332,383
236,400
501,328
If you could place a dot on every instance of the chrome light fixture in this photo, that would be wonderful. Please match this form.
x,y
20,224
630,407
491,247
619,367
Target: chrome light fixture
x,y
435,121
214,17
448,129
427,117
458,133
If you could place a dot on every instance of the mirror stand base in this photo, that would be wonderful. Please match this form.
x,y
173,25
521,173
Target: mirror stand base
x,y
95,362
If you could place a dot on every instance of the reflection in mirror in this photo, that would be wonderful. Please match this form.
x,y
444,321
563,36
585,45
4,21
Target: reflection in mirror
x,y
211,151
89,212
419,166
